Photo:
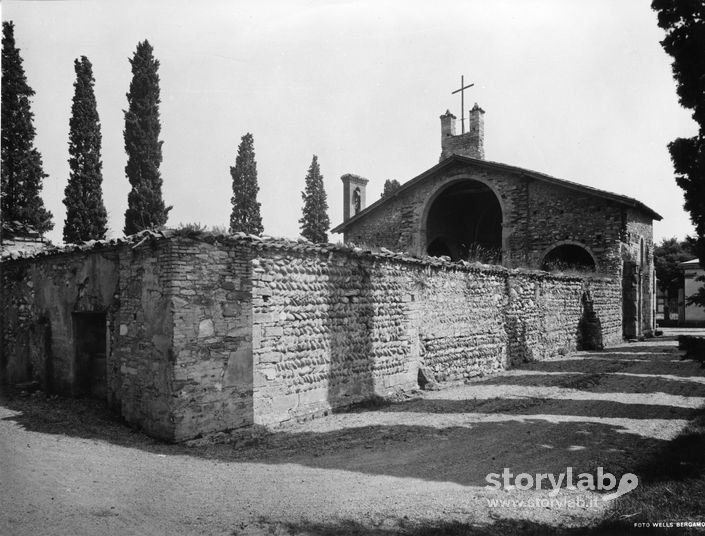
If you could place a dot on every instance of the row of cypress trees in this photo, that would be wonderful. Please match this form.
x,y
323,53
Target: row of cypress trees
x,y
86,216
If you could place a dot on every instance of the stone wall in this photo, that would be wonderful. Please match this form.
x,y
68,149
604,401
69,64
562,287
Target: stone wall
x,y
325,327
44,299
461,321
223,332
211,376
479,320
40,298
330,329
559,216
141,360
640,228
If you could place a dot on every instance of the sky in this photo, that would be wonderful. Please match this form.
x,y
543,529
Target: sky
x,y
580,90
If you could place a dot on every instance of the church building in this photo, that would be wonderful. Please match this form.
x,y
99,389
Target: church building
x,y
469,208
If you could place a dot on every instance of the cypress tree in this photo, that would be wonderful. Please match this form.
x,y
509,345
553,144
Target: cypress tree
x,y
314,220
22,171
145,206
390,186
86,217
245,216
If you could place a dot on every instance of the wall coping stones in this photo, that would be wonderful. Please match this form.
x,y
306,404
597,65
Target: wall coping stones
x,y
285,245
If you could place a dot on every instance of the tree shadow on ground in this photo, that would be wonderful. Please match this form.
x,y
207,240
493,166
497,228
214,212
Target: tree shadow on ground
x,y
422,447
654,346
604,409
596,383
591,382
683,458
438,440
669,365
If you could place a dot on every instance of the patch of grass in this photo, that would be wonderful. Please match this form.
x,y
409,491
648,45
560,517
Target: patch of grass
x,y
191,230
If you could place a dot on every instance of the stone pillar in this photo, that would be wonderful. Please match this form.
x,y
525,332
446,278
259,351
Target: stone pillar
x,y
447,125
476,131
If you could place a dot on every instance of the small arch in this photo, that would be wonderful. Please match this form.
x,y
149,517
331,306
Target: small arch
x,y
569,256
441,246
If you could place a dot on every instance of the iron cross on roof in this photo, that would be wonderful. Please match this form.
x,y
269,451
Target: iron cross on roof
x,y
462,89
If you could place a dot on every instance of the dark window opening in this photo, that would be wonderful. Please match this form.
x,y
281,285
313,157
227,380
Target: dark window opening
x,y
568,257
357,200
90,366
465,222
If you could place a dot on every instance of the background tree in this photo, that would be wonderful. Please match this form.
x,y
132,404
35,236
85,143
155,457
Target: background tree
x,y
684,23
314,220
667,256
86,217
145,206
245,216
22,172
390,186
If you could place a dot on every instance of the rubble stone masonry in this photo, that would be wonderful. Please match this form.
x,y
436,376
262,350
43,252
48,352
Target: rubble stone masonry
x,y
210,335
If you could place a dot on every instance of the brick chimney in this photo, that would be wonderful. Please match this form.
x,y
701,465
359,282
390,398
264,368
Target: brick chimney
x,y
354,188
447,125
469,144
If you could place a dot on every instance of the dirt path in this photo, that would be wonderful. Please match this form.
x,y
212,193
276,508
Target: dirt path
x,y
68,467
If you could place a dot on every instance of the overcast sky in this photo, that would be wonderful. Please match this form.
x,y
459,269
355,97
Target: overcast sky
x,y
580,90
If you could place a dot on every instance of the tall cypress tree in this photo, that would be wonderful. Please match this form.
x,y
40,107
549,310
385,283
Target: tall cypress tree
x,y
245,216
145,206
86,217
314,220
22,171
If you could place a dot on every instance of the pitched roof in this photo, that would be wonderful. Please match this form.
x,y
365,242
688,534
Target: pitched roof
x,y
692,264
621,199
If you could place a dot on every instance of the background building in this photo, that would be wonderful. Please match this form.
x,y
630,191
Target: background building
x,y
692,314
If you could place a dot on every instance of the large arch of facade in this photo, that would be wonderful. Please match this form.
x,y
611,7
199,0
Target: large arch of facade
x,y
463,219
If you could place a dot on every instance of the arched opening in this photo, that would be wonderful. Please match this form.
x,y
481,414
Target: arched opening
x,y
357,200
465,222
568,257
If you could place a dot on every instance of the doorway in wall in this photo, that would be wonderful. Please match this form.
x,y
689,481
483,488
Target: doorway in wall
x,y
90,365
631,300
